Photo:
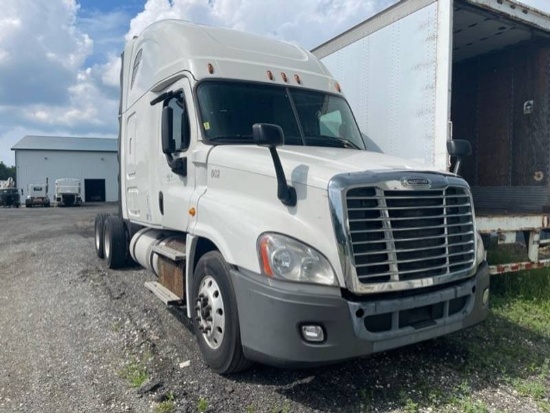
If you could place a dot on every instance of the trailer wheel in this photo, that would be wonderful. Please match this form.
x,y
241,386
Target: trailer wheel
x,y
98,233
215,316
114,242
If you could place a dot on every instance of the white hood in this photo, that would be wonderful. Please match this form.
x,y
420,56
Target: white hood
x,y
309,165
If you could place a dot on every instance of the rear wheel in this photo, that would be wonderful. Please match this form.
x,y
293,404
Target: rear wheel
x,y
216,318
114,242
98,233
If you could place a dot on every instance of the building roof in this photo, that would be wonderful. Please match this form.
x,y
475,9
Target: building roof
x,y
66,143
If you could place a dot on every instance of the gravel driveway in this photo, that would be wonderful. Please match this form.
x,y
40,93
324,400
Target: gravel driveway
x,y
75,337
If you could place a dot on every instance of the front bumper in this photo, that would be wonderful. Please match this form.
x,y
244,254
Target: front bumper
x,y
271,318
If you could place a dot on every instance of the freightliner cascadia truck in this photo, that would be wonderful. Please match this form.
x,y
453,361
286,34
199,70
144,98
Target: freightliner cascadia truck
x,y
423,72
247,188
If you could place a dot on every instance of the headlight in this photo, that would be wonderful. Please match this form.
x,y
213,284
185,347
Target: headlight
x,y
480,250
288,259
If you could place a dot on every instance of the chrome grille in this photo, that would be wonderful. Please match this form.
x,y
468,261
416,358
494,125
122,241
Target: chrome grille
x,y
410,235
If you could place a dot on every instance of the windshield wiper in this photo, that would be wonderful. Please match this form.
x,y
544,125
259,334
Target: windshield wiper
x,y
231,138
345,142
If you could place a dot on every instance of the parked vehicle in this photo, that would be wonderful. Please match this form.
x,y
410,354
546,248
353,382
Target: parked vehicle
x,y
8,183
426,71
37,195
246,188
10,197
68,192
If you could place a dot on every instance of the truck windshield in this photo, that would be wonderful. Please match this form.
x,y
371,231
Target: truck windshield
x,y
229,109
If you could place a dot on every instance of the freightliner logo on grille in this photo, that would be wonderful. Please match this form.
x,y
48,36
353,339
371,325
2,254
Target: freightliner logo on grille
x,y
416,183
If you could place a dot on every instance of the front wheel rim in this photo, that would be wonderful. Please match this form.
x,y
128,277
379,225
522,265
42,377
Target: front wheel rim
x,y
210,312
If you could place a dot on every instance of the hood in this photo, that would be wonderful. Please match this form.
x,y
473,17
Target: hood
x,y
308,165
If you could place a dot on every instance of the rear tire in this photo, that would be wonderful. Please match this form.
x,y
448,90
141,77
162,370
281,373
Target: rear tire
x,y
98,233
114,242
215,316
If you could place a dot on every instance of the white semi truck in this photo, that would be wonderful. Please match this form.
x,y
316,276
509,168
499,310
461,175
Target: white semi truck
x,y
247,188
423,72
68,191
37,195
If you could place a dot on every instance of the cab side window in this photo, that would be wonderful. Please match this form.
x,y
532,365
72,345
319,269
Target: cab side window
x,y
180,124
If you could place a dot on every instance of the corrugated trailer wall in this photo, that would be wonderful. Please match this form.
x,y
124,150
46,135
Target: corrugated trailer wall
x,y
500,103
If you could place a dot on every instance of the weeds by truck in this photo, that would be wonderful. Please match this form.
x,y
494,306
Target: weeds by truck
x,y
246,187
424,72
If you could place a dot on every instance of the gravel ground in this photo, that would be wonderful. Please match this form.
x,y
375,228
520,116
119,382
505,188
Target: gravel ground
x,y
71,331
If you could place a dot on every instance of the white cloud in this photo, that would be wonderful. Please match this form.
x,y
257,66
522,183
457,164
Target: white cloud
x,y
41,50
110,71
308,22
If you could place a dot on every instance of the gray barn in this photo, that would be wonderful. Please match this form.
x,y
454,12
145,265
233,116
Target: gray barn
x,y
92,160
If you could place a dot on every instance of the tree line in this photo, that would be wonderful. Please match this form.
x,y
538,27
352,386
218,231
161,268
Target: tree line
x,y
6,171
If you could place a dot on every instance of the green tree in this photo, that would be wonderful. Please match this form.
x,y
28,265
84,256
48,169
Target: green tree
x,y
6,172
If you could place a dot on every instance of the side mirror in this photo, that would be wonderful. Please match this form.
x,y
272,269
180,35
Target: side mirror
x,y
168,144
460,148
267,134
271,136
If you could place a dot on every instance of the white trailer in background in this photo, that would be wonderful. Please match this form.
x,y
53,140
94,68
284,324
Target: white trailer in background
x,y
423,72
68,192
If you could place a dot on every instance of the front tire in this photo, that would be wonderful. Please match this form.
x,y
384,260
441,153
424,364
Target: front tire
x,y
114,242
216,318
98,233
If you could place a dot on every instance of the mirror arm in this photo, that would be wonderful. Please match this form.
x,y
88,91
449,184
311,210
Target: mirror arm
x,y
285,192
177,165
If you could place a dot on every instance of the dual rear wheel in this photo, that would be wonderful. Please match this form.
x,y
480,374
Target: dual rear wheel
x,y
110,240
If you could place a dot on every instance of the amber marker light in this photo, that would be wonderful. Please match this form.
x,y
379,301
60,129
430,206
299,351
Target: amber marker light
x,y
283,75
338,88
264,252
297,79
192,212
210,68
270,75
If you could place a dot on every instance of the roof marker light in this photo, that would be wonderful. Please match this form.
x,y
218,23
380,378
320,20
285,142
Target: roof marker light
x,y
297,79
270,75
338,88
283,75
210,68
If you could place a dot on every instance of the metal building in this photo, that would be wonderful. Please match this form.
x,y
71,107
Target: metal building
x,y
92,160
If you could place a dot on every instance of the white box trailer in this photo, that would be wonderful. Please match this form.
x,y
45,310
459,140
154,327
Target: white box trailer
x,y
423,72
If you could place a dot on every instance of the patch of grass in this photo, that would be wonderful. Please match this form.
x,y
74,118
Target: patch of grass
x,y
528,285
409,406
536,387
116,327
135,372
166,406
202,405
284,409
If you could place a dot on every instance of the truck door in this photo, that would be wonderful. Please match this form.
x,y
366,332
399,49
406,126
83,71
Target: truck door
x,y
177,173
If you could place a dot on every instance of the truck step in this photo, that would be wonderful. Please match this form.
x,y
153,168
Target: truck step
x,y
165,295
169,252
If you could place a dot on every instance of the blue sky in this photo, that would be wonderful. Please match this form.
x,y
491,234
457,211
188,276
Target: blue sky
x,y
59,59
